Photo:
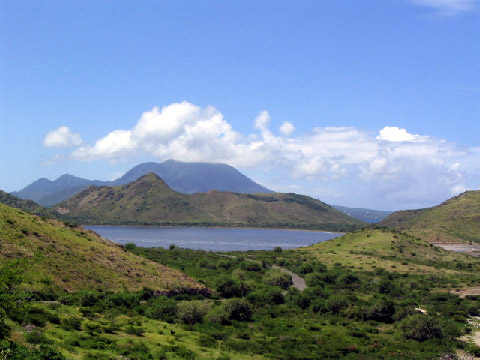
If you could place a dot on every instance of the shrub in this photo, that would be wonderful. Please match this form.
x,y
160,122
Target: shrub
x,y
192,312
162,308
335,304
278,278
129,246
229,288
238,309
421,327
380,310
71,323
251,266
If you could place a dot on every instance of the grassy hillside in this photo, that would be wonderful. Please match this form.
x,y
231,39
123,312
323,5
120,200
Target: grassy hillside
x,y
149,201
373,249
60,256
455,220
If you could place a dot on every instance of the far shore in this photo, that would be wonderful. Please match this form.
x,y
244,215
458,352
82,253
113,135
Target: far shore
x,y
213,227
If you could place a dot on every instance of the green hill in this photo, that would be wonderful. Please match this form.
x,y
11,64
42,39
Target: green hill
x,y
371,249
455,220
26,205
149,201
62,256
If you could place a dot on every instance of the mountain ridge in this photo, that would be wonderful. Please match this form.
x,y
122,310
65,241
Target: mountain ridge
x,y
183,177
150,201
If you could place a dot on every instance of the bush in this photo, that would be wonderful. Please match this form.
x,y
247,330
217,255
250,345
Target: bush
x,y
129,246
35,337
71,323
229,288
162,308
335,304
421,327
192,312
380,310
251,266
238,309
278,278
269,296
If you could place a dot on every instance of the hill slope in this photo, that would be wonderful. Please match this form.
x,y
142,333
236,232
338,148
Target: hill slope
x,y
455,220
72,258
149,201
26,205
371,249
183,177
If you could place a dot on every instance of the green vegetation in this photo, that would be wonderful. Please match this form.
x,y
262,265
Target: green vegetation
x,y
372,294
26,205
149,201
61,256
455,220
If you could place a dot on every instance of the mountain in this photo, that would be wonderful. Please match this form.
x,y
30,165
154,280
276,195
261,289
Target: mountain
x,y
457,219
367,215
190,178
66,257
150,201
183,177
42,188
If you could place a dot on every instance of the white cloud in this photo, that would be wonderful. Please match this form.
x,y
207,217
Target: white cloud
x,y
395,163
115,145
62,137
392,133
448,7
287,128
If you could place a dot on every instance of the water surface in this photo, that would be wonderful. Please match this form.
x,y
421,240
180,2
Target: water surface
x,y
214,239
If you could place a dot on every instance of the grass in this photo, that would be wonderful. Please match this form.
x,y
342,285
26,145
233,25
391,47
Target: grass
x,y
455,220
66,257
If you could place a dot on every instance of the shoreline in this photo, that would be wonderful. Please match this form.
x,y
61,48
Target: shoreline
x,y
341,233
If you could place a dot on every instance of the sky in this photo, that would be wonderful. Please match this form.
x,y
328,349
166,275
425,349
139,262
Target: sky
x,y
364,104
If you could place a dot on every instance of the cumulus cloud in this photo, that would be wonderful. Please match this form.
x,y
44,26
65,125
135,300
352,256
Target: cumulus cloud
x,y
62,137
393,133
447,7
394,162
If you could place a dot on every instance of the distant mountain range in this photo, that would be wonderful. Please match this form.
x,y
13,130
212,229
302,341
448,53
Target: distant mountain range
x,y
150,201
367,215
183,177
457,219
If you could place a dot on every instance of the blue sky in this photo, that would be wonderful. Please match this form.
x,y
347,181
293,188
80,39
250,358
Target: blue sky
x,y
368,104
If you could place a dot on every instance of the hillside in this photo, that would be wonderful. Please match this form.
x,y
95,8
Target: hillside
x,y
455,220
60,256
26,205
183,177
371,249
149,201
